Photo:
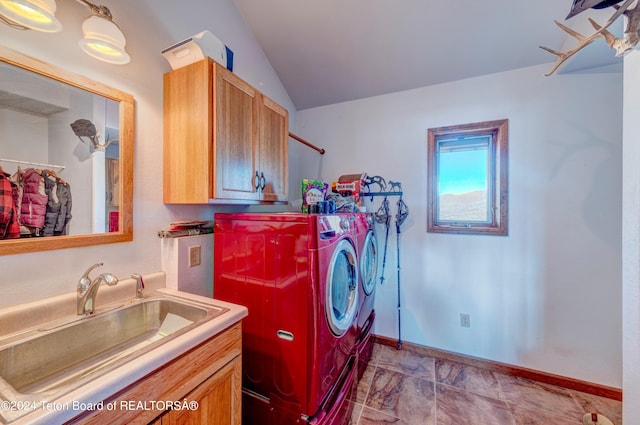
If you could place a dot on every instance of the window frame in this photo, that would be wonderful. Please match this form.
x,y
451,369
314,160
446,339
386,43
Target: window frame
x,y
498,178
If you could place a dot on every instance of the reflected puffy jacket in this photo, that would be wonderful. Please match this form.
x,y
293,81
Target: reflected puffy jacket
x,y
8,215
34,200
58,208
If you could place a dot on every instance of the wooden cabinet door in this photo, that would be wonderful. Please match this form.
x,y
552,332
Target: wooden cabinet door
x,y
236,138
188,96
219,400
274,138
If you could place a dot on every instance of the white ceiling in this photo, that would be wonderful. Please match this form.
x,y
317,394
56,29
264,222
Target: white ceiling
x,y
330,51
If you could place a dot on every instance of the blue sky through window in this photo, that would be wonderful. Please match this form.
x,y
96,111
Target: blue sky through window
x,y
462,171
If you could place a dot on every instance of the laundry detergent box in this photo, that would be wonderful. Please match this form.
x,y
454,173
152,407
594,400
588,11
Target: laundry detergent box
x,y
313,191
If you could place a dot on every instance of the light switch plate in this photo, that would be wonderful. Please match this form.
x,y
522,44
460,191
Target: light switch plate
x,y
194,256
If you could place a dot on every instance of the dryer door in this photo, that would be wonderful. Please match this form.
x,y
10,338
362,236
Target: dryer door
x,y
369,263
342,288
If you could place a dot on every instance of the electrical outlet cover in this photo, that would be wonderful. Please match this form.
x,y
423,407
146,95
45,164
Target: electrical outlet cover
x,y
194,256
465,320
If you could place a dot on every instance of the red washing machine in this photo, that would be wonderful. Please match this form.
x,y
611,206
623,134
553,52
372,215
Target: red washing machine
x,y
298,276
367,251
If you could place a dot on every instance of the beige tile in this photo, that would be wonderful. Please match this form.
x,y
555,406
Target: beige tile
x,y
468,378
355,414
536,396
457,407
396,388
375,353
612,409
373,417
536,417
405,361
365,383
406,397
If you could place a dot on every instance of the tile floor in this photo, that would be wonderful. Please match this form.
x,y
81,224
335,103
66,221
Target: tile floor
x,y
405,388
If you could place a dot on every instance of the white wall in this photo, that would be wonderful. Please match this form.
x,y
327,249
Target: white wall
x,y
22,134
150,26
548,296
631,240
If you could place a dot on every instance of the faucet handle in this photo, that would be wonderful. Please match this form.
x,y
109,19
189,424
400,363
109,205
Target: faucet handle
x,y
85,281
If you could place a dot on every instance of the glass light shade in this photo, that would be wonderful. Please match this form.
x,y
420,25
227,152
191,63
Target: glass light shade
x,y
35,14
103,40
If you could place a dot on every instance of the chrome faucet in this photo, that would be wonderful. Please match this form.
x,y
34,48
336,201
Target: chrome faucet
x,y
87,289
139,284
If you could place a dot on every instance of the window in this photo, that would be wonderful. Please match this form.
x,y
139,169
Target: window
x,y
468,178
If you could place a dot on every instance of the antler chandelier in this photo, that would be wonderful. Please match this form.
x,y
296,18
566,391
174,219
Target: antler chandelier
x,y
620,45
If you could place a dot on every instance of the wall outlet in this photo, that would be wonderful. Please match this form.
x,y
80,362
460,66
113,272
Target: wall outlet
x,y
465,320
194,256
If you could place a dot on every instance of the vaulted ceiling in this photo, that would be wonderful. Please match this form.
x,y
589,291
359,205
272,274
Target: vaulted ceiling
x,y
330,51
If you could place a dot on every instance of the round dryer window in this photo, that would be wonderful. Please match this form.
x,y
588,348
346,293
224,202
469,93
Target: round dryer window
x,y
369,263
342,288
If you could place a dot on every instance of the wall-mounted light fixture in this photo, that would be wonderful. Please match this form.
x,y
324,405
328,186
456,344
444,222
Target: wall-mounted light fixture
x,y
102,40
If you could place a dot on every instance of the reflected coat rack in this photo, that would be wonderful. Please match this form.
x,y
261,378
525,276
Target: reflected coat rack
x,y
37,164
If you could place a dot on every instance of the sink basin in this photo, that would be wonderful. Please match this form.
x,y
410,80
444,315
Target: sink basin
x,y
53,358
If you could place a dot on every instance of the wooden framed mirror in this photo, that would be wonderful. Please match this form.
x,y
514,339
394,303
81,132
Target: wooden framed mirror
x,y
38,104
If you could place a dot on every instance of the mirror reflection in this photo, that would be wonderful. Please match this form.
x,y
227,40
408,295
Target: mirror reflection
x,y
57,148
66,158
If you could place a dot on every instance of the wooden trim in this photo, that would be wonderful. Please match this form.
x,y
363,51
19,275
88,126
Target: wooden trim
x,y
304,142
521,372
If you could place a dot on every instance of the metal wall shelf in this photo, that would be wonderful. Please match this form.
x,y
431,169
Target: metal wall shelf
x,y
372,194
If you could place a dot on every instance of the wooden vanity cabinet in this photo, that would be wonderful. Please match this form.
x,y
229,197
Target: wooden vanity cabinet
x,y
209,374
217,402
223,139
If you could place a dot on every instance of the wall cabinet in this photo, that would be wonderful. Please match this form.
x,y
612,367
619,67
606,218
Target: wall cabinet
x,y
223,139
209,374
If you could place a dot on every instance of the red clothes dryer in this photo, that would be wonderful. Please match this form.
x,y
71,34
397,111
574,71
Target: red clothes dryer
x,y
298,276
367,252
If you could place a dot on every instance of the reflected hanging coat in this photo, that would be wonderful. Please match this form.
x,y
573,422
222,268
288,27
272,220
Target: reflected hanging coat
x,y
34,200
9,228
58,208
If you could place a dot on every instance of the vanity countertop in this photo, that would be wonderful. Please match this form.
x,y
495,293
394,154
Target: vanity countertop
x,y
90,394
